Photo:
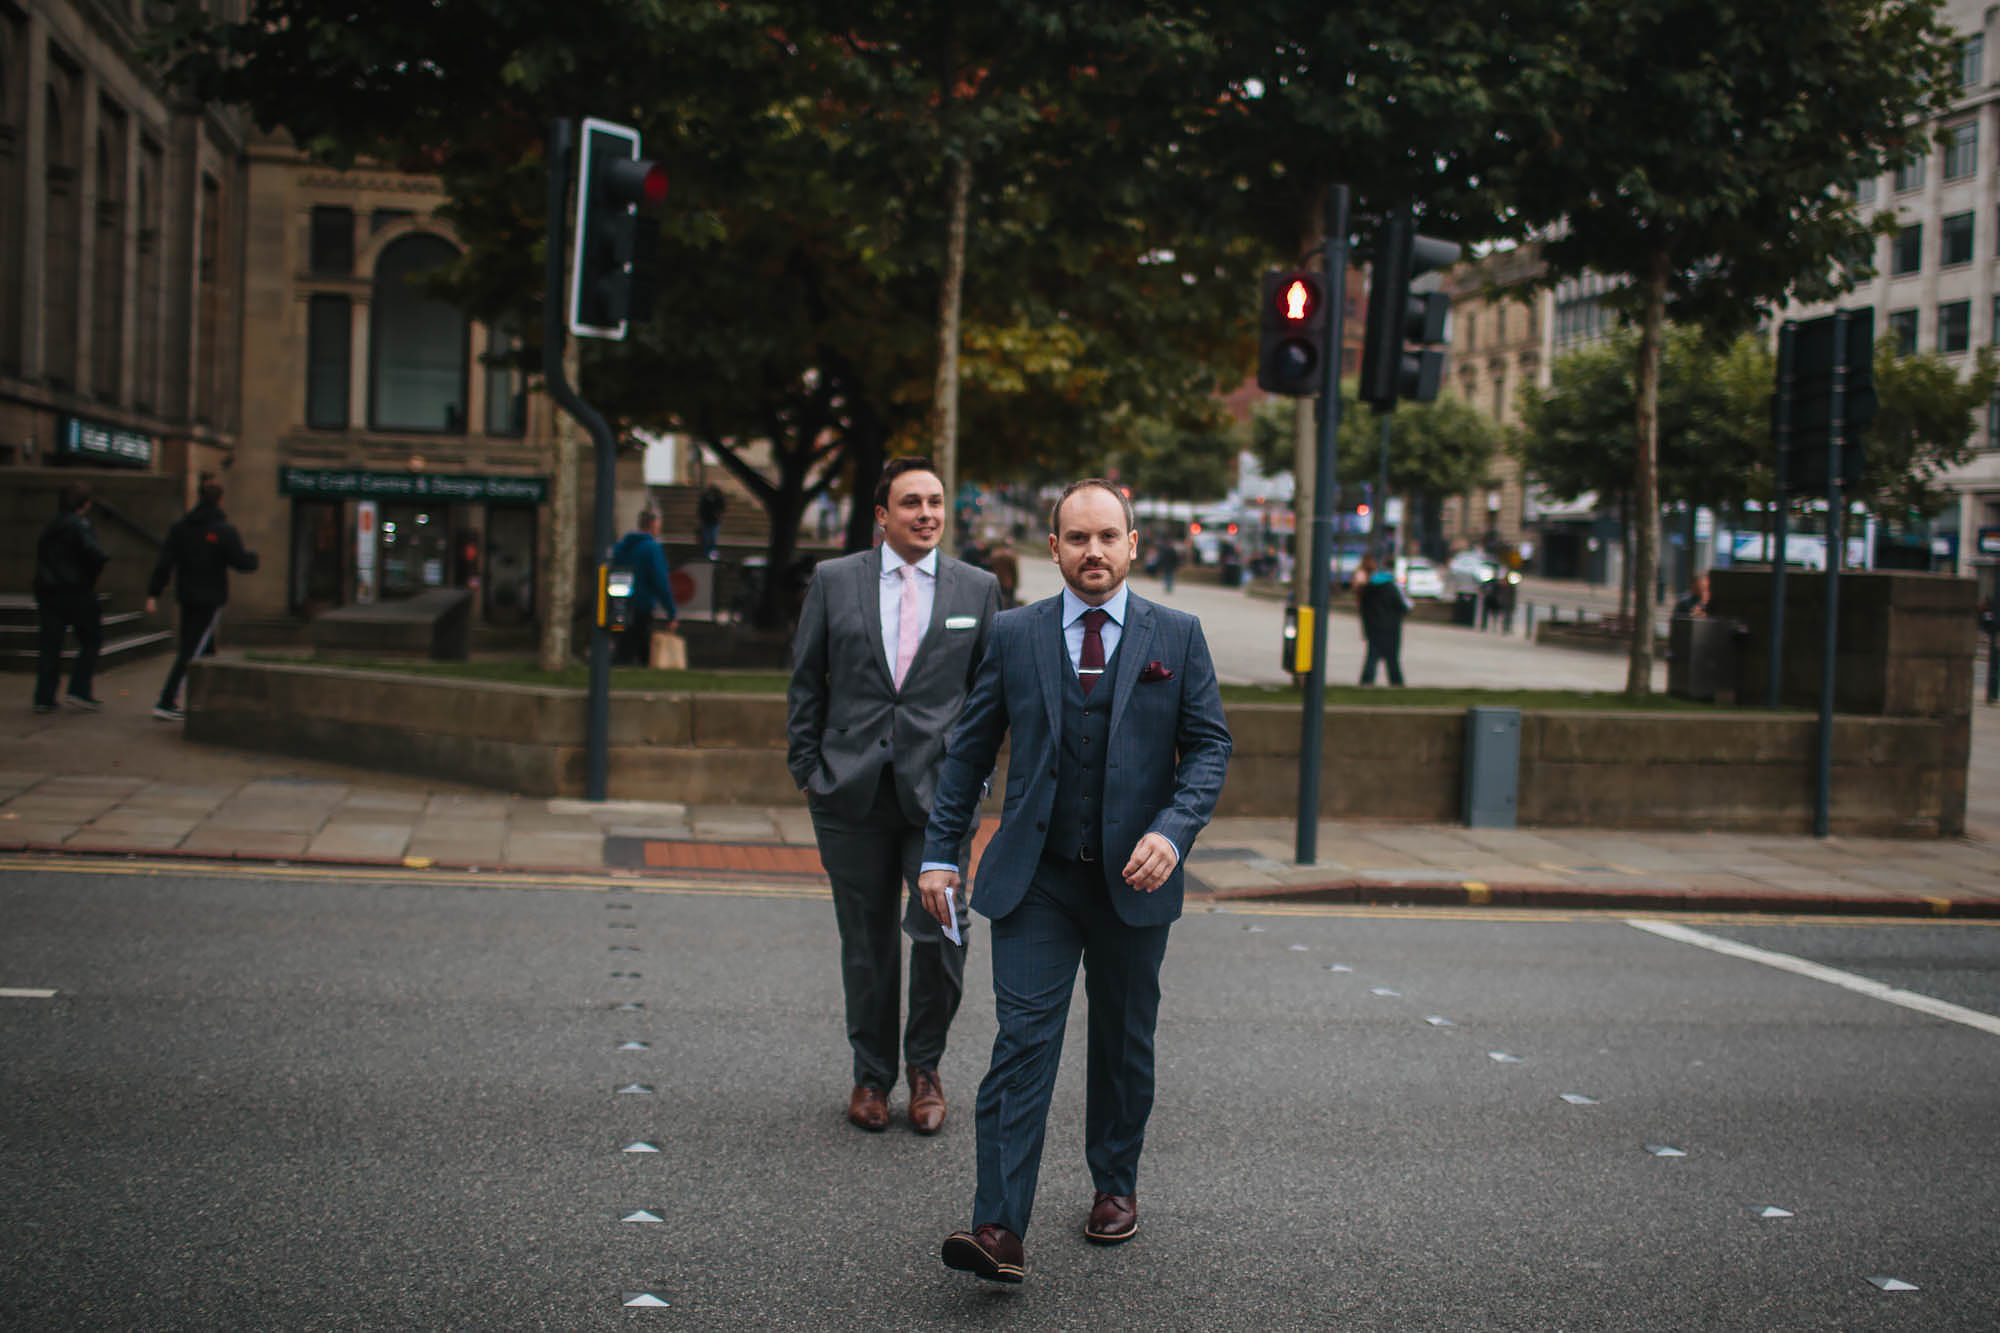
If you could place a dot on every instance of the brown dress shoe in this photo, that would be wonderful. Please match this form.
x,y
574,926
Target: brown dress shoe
x,y
926,1101
868,1108
1114,1218
987,1251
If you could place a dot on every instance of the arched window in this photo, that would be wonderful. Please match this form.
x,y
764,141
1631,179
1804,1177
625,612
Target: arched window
x,y
60,251
146,343
107,288
417,343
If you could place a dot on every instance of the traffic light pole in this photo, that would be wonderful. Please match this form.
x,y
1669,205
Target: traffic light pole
x,y
554,333
1312,719
1380,517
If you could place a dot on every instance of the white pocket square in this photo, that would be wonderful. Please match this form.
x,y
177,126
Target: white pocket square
x,y
960,622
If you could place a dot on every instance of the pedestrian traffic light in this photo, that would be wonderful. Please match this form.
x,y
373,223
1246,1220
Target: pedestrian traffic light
x,y
1807,378
1292,357
613,183
1390,367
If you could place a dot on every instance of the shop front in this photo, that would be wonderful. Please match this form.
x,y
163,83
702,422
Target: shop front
x,y
361,537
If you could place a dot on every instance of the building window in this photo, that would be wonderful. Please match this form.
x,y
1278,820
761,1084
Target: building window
x,y
1471,340
61,246
208,400
13,186
506,385
1906,250
1954,326
1955,239
1864,190
1971,59
329,323
107,284
332,246
1961,150
1903,328
1993,421
418,343
1910,176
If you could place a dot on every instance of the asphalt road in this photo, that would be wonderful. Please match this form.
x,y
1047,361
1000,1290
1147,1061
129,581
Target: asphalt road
x,y
278,1099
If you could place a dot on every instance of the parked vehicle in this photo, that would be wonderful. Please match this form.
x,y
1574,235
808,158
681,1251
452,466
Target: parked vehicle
x,y
1420,578
1469,571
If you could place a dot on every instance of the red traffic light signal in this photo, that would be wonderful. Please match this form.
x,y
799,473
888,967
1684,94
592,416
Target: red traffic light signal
x,y
613,184
1291,358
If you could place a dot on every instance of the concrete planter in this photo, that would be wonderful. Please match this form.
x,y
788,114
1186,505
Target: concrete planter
x,y
1736,771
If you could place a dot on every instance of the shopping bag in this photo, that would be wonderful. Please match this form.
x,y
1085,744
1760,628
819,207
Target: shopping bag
x,y
670,651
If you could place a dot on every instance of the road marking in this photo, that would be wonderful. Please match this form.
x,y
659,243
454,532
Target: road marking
x,y
25,993
1923,1004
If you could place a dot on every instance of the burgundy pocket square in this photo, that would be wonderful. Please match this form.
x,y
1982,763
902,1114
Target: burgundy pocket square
x,y
1155,670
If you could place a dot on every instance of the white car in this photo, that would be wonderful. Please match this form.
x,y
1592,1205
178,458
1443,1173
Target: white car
x,y
1420,578
1469,571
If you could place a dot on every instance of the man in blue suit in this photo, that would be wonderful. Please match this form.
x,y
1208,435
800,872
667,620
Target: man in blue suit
x,y
1118,750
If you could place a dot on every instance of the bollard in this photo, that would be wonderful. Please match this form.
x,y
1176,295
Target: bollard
x,y
1528,626
1992,667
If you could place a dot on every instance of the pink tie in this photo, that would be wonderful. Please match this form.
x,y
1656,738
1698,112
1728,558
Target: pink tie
x,y
909,629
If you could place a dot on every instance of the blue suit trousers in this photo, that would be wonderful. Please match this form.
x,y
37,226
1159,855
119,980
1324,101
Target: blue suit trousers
x,y
1066,918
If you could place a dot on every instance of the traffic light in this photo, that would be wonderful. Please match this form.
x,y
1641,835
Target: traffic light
x,y
1814,344
613,183
1390,367
1292,357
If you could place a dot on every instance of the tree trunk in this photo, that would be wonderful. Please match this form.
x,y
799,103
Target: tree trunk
x,y
555,645
864,448
1625,556
944,430
1646,482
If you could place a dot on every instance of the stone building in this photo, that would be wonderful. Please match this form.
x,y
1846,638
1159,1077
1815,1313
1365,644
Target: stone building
x,y
121,260
389,445
1498,344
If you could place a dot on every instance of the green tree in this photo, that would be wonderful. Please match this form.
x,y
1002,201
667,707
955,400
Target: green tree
x,y
1705,152
1924,426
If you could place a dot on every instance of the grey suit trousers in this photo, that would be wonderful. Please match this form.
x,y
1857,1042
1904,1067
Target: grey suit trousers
x,y
872,864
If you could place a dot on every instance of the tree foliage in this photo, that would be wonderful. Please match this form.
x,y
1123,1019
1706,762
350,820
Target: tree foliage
x,y
1924,426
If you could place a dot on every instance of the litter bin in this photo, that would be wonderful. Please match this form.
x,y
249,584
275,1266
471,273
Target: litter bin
x,y
1465,609
1703,658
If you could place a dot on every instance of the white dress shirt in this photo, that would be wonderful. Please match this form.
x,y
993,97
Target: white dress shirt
x,y
1073,608
923,586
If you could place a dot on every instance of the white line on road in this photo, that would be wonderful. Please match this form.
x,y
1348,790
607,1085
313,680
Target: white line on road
x,y
1923,1004
25,993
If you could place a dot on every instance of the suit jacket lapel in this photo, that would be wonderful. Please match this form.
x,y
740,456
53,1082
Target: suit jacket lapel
x,y
870,608
1135,645
1052,664
947,582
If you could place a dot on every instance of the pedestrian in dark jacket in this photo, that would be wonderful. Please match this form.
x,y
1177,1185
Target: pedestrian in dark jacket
x,y
200,550
1382,612
652,586
68,560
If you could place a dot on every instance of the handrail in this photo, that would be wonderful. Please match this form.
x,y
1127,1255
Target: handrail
x,y
100,505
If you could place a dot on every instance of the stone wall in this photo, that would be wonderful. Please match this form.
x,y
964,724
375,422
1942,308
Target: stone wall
x,y
1737,770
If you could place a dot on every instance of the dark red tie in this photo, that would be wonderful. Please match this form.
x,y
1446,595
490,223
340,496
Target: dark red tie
x,y
1090,663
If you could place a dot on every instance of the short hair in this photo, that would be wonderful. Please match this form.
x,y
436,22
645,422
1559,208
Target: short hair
x,y
895,468
647,520
211,492
73,497
1102,484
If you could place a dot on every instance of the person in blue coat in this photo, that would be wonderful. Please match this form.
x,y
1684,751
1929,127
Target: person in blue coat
x,y
641,552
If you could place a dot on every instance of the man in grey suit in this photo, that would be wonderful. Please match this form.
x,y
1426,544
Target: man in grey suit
x,y
887,645
1118,750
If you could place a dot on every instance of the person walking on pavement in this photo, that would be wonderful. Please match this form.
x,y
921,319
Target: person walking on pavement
x,y
200,550
1383,607
708,522
640,551
1006,567
68,559
887,644
1118,749
1170,560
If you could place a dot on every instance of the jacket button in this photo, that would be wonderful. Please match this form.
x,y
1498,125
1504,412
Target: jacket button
x,y
883,742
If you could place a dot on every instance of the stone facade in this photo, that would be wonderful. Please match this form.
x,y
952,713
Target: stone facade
x,y
121,273
1498,347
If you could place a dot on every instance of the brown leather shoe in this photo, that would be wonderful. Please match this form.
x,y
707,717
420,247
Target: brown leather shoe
x,y
926,1101
1114,1219
868,1108
987,1251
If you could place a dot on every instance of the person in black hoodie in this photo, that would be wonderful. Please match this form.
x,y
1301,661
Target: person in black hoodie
x,y
200,551
68,560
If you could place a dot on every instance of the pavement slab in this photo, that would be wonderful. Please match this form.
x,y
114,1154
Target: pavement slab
x,y
28,834
363,842
553,849
244,842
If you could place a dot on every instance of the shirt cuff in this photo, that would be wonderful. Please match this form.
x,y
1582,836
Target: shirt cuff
x,y
937,865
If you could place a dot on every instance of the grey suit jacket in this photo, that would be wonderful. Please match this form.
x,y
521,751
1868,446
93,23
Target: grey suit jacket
x,y
1166,753
845,717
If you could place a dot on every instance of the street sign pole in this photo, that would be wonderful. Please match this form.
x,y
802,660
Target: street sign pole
x,y
1835,541
1312,719
1781,432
